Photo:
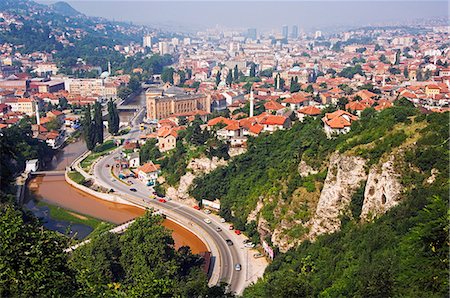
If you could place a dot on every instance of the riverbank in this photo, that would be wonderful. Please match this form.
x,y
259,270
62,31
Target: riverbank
x,y
60,214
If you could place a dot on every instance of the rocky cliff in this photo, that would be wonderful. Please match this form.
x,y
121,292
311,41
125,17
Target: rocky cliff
x,y
382,190
196,167
345,173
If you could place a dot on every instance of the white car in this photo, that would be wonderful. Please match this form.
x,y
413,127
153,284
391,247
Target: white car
x,y
249,245
222,220
207,220
237,267
207,211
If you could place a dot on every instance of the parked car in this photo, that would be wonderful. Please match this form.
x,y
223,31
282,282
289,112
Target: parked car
x,y
258,255
222,220
231,227
237,267
207,220
196,207
162,200
133,189
229,242
237,232
207,211
249,245
218,229
246,241
111,190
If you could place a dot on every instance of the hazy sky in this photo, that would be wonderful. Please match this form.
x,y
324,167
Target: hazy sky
x,y
263,15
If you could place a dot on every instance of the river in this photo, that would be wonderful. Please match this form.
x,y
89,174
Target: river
x,y
53,189
126,116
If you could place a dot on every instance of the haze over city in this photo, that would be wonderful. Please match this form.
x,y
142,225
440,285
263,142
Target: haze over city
x,y
264,15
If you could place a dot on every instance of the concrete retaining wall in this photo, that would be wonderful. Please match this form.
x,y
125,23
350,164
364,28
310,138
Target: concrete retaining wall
x,y
104,196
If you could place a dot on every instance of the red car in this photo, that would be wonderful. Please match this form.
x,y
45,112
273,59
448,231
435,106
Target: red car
x,y
238,232
162,200
196,207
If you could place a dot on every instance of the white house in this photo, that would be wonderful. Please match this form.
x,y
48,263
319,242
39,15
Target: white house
x,y
133,160
148,173
338,122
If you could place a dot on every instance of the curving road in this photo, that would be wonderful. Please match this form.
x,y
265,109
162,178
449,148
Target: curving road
x,y
224,257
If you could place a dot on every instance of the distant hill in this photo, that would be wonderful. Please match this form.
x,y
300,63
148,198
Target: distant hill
x,y
65,9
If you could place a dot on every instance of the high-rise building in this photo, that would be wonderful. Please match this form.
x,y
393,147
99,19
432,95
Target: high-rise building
x,y
147,41
285,31
163,48
318,34
294,33
251,33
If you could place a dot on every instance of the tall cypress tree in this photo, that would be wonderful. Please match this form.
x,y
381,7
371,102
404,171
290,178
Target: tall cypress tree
x,y
88,129
113,118
236,73
229,78
219,74
98,123
253,70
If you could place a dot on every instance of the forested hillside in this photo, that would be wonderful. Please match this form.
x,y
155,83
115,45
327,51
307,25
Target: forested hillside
x,y
400,253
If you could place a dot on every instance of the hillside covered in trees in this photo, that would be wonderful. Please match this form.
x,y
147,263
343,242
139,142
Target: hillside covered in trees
x,y
141,262
402,252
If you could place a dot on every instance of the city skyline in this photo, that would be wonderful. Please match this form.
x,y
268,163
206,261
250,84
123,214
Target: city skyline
x,y
307,15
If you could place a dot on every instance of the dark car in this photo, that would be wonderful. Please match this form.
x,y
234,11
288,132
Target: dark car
x,y
133,189
229,242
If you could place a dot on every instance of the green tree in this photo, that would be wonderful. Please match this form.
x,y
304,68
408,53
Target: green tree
x,y
123,92
134,84
405,72
97,264
32,261
397,57
218,75
229,78
63,103
167,75
295,86
113,118
89,132
342,101
236,73
148,257
98,123
309,89
149,151
253,70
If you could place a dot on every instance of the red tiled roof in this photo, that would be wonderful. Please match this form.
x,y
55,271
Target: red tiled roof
x,y
356,106
337,119
148,167
310,110
218,120
273,105
274,120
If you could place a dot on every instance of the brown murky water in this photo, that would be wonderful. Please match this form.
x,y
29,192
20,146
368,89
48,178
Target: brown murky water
x,y
55,190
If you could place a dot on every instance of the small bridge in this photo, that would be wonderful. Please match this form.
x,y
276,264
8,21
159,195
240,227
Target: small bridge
x,y
128,107
48,173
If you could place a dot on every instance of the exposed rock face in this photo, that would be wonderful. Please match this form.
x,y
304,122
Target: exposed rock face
x,y
197,166
345,174
382,190
253,216
305,170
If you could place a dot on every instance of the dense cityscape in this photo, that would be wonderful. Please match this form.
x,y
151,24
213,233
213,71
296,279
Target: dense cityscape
x,y
290,162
